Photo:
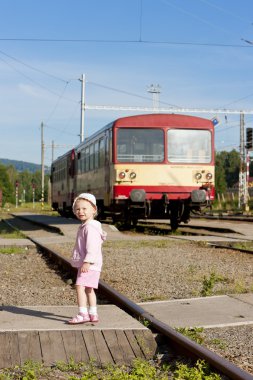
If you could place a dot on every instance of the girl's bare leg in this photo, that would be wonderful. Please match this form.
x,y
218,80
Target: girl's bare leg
x,y
81,296
91,297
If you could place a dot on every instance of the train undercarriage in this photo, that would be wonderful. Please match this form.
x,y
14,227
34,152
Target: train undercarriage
x,y
177,211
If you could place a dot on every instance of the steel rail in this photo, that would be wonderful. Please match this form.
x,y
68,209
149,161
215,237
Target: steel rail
x,y
178,341
243,250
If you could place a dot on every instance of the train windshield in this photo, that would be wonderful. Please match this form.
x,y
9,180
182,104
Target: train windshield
x,y
140,145
189,146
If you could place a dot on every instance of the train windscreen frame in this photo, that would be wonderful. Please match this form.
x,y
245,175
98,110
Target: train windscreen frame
x,y
140,145
189,146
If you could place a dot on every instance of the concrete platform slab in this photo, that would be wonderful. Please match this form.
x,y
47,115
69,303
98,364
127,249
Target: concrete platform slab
x,y
216,311
39,318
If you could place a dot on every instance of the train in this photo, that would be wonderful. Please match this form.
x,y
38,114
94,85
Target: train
x,y
141,167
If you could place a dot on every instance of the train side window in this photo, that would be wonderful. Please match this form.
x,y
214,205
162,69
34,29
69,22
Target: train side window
x,y
91,156
101,152
82,163
87,154
96,155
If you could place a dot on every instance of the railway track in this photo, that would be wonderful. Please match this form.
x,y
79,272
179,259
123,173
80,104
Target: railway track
x,y
229,233
180,343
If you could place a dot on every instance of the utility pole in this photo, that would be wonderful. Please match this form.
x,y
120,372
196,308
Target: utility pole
x,y
82,108
42,166
243,190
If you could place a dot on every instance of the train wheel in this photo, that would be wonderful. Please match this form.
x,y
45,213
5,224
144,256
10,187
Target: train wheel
x,y
100,213
175,215
174,223
130,220
134,221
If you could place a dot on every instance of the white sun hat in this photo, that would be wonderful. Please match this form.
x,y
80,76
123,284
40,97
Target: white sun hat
x,y
88,197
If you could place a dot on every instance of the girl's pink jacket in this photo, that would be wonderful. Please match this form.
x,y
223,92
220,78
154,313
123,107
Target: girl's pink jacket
x,y
88,245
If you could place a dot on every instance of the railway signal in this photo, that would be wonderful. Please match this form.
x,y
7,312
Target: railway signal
x,y
249,138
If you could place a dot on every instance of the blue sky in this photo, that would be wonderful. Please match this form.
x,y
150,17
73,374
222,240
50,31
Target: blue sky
x,y
196,51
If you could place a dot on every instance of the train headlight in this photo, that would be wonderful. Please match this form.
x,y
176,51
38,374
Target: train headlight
x,y
209,176
132,175
198,176
122,175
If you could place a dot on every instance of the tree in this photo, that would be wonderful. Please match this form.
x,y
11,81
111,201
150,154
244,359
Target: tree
x,y
32,181
220,175
6,186
227,167
29,184
232,167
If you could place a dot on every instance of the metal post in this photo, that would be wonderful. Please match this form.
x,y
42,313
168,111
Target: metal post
x,y
42,166
247,182
17,194
33,191
242,196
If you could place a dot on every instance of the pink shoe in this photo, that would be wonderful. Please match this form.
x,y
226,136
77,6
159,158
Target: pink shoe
x,y
93,317
79,318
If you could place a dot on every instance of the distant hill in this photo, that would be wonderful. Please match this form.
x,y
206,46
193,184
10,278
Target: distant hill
x,y
22,166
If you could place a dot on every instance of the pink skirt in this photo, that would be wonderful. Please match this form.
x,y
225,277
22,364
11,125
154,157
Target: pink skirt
x,y
88,279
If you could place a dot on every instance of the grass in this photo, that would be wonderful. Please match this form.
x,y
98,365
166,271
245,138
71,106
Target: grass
x,y
141,243
244,245
140,369
209,283
194,333
219,343
7,232
29,207
12,250
197,334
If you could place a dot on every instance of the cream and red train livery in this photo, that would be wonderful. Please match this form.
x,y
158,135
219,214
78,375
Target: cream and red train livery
x,y
144,166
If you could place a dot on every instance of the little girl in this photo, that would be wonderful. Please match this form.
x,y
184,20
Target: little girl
x,y
87,256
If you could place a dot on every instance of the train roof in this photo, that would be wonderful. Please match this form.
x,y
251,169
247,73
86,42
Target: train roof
x,y
151,118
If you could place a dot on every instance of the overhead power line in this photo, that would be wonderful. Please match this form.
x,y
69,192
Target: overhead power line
x,y
134,41
32,67
127,93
